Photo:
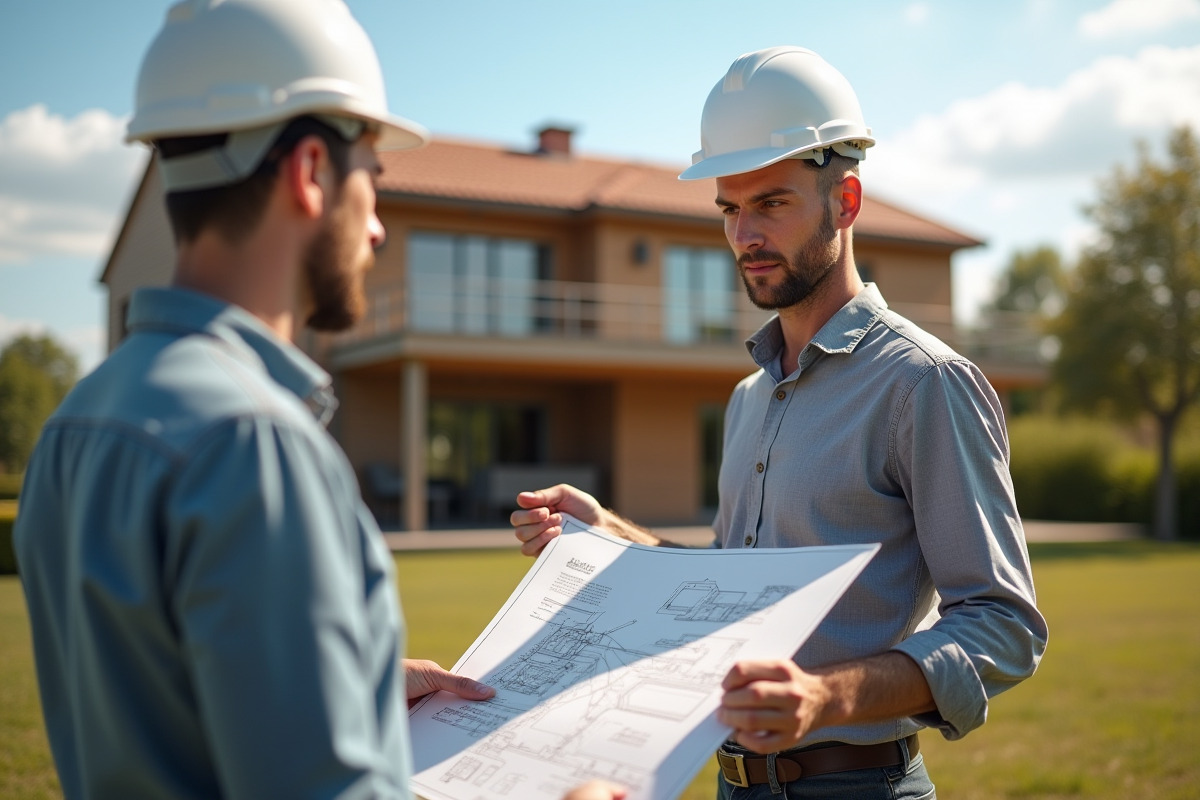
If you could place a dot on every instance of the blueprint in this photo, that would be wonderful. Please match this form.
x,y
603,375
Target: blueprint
x,y
607,662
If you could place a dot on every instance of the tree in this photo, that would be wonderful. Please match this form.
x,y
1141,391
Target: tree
x,y
1034,282
35,374
1130,330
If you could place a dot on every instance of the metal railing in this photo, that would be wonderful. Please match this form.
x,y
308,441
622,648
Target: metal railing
x,y
517,308
1009,337
532,308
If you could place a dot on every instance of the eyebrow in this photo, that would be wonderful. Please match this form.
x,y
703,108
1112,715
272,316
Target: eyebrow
x,y
758,198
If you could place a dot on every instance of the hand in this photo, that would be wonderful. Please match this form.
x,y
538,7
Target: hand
x,y
422,677
538,521
596,790
772,705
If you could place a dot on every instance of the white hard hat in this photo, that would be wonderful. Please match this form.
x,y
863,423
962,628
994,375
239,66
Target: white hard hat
x,y
782,102
247,67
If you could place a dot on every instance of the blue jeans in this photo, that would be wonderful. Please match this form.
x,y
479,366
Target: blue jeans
x,y
882,783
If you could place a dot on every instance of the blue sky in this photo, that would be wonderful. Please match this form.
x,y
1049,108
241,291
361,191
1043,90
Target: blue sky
x,y
997,118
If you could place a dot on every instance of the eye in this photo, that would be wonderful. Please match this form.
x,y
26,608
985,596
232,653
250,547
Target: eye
x,y
729,211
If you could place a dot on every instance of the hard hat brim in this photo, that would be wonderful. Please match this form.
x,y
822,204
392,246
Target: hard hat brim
x,y
736,163
398,133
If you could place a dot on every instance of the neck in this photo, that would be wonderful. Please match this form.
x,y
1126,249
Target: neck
x,y
258,275
801,322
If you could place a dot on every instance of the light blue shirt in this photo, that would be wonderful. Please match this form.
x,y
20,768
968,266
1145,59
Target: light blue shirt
x,y
213,608
882,433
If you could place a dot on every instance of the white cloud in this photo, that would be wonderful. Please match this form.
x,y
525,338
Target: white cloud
x,y
11,328
1080,128
63,182
916,13
1015,165
1122,17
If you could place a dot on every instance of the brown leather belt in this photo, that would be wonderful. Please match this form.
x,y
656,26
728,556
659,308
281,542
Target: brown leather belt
x,y
742,770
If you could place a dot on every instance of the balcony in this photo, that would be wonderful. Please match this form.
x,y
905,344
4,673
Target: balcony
x,y
574,310
645,324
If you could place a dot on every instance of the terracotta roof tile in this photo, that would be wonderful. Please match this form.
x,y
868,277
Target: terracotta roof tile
x,y
457,170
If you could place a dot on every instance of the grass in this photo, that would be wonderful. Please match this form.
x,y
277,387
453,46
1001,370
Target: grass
x,y
1114,711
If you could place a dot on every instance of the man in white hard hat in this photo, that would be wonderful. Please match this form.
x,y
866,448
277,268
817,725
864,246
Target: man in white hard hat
x,y
213,609
858,427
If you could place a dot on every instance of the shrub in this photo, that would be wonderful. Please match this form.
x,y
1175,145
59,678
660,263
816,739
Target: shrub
x,y
8,559
10,486
1079,470
1085,470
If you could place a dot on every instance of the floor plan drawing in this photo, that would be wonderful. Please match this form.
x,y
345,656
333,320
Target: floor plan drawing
x,y
606,662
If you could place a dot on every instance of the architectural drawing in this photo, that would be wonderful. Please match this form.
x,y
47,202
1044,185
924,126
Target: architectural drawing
x,y
607,663
564,720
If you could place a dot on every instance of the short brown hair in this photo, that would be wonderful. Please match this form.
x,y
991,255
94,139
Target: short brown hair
x,y
834,170
236,209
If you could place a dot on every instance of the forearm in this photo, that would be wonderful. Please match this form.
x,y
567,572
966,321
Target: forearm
x,y
631,531
874,689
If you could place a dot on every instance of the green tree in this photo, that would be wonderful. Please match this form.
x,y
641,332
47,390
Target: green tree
x,y
1034,282
1129,333
35,374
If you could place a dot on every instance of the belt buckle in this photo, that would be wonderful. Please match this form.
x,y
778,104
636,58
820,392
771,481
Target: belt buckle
x,y
733,768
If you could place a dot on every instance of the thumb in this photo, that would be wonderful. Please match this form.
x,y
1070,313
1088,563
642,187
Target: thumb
x,y
469,689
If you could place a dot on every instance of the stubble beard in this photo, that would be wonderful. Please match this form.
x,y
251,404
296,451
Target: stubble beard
x,y
334,280
804,272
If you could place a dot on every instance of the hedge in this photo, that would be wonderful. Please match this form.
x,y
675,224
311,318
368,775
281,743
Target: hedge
x,y
10,486
8,559
1084,470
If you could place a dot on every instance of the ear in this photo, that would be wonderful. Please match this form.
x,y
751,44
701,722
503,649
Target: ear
x,y
305,176
848,199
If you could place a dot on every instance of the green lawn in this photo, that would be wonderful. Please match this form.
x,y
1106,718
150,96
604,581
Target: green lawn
x,y
1114,711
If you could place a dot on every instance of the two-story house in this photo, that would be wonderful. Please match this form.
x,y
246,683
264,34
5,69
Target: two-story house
x,y
540,316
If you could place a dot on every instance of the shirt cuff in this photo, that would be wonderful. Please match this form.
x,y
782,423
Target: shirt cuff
x,y
953,681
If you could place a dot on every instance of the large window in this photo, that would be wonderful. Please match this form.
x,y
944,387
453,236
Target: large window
x,y
474,284
698,294
467,439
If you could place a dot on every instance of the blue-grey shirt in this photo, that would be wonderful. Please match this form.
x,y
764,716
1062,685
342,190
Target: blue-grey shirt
x,y
213,609
882,433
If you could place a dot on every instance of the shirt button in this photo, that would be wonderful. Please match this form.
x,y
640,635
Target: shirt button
x,y
759,467
780,394
749,540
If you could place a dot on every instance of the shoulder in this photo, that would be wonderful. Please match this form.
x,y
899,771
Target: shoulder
x,y
172,389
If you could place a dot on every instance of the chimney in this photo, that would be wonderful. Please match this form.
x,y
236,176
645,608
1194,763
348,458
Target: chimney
x,y
554,140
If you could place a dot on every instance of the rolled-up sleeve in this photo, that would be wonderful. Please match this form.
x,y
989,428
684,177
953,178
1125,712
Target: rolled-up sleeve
x,y
273,606
950,451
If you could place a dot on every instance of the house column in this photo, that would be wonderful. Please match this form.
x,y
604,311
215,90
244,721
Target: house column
x,y
413,431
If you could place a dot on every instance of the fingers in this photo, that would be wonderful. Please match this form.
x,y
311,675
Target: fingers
x,y
532,499
422,677
744,673
464,687
535,528
767,704
596,790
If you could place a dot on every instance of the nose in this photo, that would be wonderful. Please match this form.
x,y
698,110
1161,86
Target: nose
x,y
376,231
742,232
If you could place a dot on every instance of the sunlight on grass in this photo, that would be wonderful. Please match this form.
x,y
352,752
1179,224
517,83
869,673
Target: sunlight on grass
x,y
1114,711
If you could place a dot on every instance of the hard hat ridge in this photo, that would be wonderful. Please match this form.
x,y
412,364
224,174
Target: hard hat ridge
x,y
777,103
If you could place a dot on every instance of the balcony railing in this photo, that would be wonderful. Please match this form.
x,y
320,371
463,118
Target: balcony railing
x,y
1009,337
636,314
535,308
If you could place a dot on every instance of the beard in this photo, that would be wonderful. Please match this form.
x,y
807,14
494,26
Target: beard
x,y
804,272
334,279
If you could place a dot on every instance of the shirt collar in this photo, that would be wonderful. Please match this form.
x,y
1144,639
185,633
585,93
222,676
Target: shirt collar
x,y
841,334
183,311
